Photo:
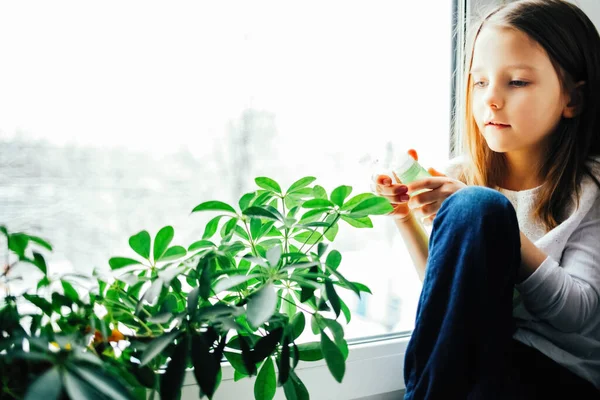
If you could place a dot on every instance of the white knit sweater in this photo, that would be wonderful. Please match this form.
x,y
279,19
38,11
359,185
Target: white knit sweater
x,y
560,312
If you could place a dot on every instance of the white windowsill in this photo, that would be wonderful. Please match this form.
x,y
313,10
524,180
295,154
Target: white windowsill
x,y
372,368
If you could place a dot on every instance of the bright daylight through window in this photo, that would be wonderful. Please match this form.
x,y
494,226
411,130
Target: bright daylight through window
x,y
117,117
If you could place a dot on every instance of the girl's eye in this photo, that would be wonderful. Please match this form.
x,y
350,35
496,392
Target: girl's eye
x,y
479,84
519,83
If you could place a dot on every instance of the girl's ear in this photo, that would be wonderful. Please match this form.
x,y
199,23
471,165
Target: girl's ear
x,y
575,105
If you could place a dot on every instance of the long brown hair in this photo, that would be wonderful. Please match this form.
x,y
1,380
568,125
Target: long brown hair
x,y
573,46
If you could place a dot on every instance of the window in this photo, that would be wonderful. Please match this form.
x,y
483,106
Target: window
x,y
118,117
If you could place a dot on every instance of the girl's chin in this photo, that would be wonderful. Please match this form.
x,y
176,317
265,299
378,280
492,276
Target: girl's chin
x,y
500,146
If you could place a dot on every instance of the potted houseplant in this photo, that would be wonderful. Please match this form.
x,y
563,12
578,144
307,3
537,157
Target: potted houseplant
x,y
262,273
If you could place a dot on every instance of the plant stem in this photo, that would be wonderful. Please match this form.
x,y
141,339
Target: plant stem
x,y
250,239
337,218
285,238
148,330
297,305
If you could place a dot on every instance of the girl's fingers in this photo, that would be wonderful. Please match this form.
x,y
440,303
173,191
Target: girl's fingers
x,y
383,180
434,172
428,183
413,154
429,220
427,209
396,199
421,199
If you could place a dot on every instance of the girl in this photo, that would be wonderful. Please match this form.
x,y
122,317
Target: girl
x,y
521,210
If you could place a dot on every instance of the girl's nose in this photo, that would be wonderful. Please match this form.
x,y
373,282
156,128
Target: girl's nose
x,y
493,97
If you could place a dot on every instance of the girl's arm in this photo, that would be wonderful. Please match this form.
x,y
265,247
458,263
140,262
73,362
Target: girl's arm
x,y
531,258
566,294
416,241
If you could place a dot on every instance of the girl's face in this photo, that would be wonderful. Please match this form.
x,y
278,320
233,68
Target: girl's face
x,y
517,99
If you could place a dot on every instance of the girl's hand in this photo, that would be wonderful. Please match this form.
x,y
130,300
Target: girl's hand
x,y
396,194
426,205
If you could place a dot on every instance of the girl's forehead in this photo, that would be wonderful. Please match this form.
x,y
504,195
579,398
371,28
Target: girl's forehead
x,y
503,46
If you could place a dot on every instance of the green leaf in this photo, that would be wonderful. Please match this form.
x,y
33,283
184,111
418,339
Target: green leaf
x,y
313,215
261,305
235,359
334,259
333,297
339,194
310,351
238,376
40,302
120,262
200,244
321,249
268,184
214,206
140,243
274,255
156,346
169,304
241,232
333,357
43,282
173,253
346,311
247,357
230,282
301,183
266,383
256,260
162,240
332,232
70,291
245,200
289,305
315,326
38,260
284,362
356,200
338,334
101,382
48,386
41,242
262,198
255,227
363,222
294,389
172,380
298,323
229,227
263,212
266,345
207,366
319,192
77,388
211,227
192,300
373,206
317,203
309,237
18,242
362,288
145,376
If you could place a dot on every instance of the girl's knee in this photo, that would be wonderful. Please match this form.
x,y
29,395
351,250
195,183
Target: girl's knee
x,y
478,202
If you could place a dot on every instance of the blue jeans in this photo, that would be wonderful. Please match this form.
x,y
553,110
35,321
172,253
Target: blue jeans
x,y
462,346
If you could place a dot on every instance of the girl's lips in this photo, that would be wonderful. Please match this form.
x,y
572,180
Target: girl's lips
x,y
498,126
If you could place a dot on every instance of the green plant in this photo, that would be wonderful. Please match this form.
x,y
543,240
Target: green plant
x,y
245,296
